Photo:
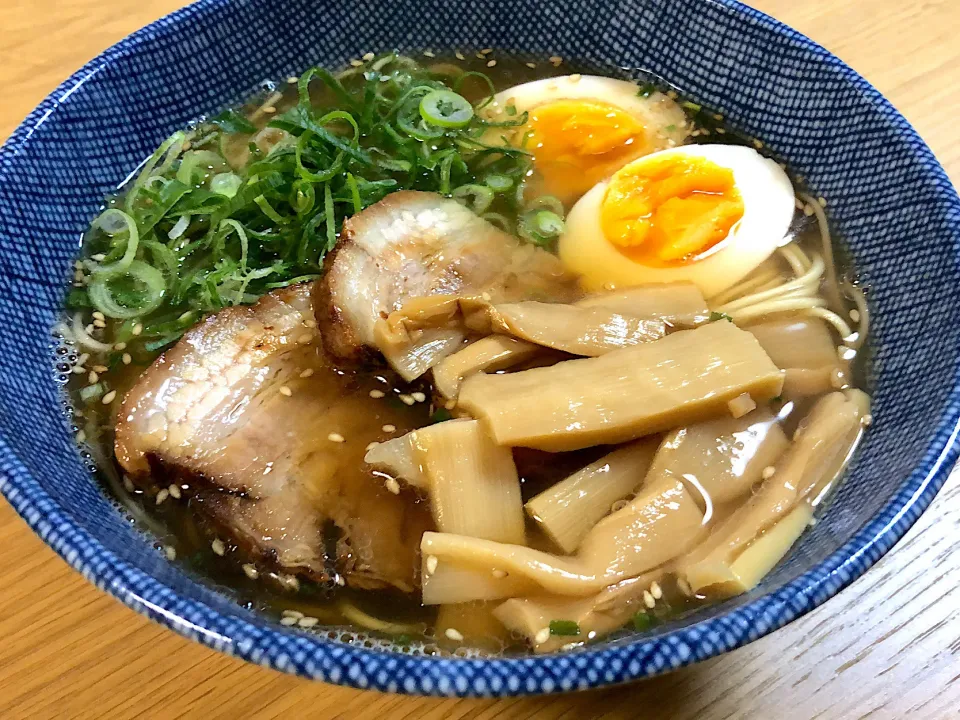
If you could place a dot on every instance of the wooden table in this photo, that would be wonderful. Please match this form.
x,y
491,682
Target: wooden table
x,y
884,648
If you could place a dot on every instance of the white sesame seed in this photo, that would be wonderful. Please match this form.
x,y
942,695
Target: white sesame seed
x,y
356,63
137,329
335,437
486,51
575,78
127,484
807,210
305,338
389,428
93,377
656,590
99,324
170,552
758,144
109,397
126,359
768,472
81,436
531,65
174,491
97,315
286,391
100,368
407,399
491,63
392,485
371,446
293,79
250,571
295,614
542,636
218,547
268,109
376,394
813,521
431,564
867,420
454,634
429,54
288,621
419,397
459,55
78,369
307,373
822,201
721,131
162,495
499,574
648,599
307,622
855,315
556,60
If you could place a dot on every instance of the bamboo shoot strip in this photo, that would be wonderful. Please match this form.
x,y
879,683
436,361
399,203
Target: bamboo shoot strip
x,y
686,377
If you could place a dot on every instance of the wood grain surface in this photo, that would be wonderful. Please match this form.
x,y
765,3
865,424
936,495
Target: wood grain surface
x,y
887,647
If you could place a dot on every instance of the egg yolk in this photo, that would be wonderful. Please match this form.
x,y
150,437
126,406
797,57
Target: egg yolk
x,y
671,210
578,143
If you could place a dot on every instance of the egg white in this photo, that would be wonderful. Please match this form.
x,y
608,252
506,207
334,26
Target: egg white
x,y
768,202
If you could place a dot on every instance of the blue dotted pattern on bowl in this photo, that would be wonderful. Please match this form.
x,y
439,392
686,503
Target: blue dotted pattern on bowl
x,y
887,194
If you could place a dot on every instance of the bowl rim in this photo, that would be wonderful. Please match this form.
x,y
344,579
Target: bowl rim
x,y
633,659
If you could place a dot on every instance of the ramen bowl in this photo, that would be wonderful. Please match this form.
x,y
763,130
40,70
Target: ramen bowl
x,y
884,192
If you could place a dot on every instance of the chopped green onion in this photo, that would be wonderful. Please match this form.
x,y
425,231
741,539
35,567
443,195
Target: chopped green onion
x,y
692,106
540,227
89,393
231,121
498,183
476,197
141,289
646,90
564,628
109,221
714,316
440,415
446,109
226,184
643,621
547,202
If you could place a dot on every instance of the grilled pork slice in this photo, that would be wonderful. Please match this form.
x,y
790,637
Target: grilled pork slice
x,y
413,245
274,458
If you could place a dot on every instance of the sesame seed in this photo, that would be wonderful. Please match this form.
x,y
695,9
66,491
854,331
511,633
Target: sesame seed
x,y
407,399
335,437
486,51
218,547
93,377
295,614
648,599
867,420
99,324
137,329
392,485
99,257
531,65
78,370
174,491
357,63
97,315
454,634
431,564
109,397
768,472
126,359
575,78
286,391
127,484
656,590
542,636
556,60
120,346
721,131
371,446
306,373
170,552
269,109
807,210
459,55
162,495
419,396
293,79
305,338
813,521
376,394
250,571
288,621
758,144
450,404
81,436
499,574
389,428
307,622
429,54
491,63
822,201
481,56
100,368
855,315
368,56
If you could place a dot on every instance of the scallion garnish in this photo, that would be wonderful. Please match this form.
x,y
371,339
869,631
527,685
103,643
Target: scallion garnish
x,y
564,628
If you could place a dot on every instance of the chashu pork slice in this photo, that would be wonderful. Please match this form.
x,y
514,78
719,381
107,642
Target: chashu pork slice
x,y
416,244
228,412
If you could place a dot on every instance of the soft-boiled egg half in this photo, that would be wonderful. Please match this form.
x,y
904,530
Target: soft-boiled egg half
x,y
581,129
708,214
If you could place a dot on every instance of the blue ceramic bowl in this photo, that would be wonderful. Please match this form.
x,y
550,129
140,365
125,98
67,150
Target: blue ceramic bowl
x,y
887,196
